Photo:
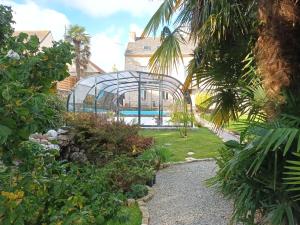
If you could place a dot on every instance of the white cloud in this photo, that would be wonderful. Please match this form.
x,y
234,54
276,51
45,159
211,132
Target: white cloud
x,y
103,8
107,49
30,16
135,28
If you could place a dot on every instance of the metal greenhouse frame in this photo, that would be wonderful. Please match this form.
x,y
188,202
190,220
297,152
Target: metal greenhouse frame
x,y
124,94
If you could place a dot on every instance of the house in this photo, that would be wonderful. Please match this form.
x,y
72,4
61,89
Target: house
x,y
45,37
46,40
64,87
137,55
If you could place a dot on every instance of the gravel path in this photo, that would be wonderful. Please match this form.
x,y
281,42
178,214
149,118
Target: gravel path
x,y
182,198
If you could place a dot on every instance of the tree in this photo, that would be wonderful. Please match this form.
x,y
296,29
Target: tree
x,y
81,41
5,26
224,32
248,55
27,75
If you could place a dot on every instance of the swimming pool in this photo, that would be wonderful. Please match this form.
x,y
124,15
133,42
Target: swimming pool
x,y
129,112
143,113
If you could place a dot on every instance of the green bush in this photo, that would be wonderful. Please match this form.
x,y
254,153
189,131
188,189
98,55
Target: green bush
x,y
261,174
182,117
41,190
27,76
124,171
155,156
36,187
101,140
137,191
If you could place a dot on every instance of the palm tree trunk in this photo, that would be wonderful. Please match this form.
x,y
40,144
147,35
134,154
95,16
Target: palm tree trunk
x,y
77,60
278,48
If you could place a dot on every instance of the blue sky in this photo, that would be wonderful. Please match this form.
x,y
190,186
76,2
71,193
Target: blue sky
x,y
107,21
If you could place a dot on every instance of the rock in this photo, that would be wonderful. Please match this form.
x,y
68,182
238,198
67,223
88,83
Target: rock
x,y
130,202
63,137
44,141
53,146
62,131
78,157
33,139
190,153
190,159
52,134
36,136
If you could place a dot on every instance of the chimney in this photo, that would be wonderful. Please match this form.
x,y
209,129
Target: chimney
x,y
132,37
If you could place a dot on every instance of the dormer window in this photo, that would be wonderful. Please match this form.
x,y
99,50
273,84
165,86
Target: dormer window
x,y
146,47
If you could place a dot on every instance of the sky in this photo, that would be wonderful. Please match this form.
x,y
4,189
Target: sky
x,y
108,22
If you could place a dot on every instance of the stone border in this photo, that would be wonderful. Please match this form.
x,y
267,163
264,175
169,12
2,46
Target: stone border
x,y
142,205
165,165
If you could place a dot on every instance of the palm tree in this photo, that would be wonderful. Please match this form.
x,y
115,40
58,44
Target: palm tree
x,y
223,31
248,54
81,40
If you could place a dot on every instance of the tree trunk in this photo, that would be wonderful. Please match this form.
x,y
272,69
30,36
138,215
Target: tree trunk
x,y
278,50
77,60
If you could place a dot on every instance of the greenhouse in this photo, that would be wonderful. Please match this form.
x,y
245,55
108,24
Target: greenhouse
x,y
136,97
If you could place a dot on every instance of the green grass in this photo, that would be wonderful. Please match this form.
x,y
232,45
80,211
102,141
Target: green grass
x,y
233,126
200,141
134,213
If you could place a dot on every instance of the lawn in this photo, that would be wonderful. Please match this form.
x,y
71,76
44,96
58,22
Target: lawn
x,y
233,126
134,213
201,141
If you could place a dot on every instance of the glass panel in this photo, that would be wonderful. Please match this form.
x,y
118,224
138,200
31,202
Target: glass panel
x,y
118,94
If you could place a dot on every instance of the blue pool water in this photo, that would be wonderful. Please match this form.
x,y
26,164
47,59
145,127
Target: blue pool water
x,y
130,112
143,113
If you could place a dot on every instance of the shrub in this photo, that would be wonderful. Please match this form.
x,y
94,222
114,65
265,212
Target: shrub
x,y
155,156
124,171
182,117
50,192
27,74
137,191
101,139
261,174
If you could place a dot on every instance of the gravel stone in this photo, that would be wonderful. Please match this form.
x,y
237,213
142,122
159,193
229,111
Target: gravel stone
x,y
182,197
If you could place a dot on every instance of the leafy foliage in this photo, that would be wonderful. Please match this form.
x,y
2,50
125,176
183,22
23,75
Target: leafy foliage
x,y
27,76
43,190
223,32
182,117
202,101
81,40
260,173
251,69
137,191
5,23
101,139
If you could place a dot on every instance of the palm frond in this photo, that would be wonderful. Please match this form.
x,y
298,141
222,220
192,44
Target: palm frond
x,y
292,176
168,55
162,16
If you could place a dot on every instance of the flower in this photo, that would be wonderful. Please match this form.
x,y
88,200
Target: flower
x,y
13,196
13,55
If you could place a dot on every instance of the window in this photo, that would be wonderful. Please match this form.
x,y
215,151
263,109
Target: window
x,y
146,47
143,94
165,95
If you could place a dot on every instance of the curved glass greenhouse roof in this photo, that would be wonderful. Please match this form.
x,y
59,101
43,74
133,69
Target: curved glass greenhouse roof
x,y
128,94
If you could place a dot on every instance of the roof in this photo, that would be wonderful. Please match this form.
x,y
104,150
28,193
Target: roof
x,y
41,34
92,68
147,46
118,83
